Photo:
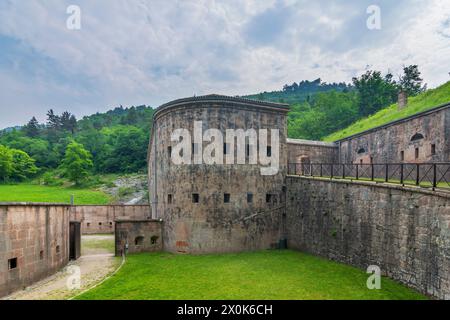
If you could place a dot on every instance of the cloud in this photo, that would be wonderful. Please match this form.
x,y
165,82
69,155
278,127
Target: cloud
x,y
154,51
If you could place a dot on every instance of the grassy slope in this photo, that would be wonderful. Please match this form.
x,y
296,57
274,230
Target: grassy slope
x,y
257,275
425,101
38,193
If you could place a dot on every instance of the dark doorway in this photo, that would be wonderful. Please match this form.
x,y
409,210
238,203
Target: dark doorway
x,y
74,240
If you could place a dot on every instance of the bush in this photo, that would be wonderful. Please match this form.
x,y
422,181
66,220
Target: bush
x,y
49,179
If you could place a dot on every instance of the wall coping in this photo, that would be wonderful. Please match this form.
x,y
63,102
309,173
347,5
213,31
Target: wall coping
x,y
311,143
28,204
122,220
384,185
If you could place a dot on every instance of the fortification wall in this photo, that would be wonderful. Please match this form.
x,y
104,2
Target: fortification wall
x,y
401,141
306,151
34,243
100,219
210,224
140,235
406,232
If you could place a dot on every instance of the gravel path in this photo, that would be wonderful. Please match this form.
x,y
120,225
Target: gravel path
x,y
97,262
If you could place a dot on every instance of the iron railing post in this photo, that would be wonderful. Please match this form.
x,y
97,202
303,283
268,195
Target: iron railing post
x,y
321,170
417,175
310,169
401,174
386,173
331,176
357,172
343,171
434,176
372,173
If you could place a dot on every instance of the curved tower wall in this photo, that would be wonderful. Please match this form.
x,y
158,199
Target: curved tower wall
x,y
211,225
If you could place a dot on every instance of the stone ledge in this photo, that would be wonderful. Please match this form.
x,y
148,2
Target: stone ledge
x,y
440,192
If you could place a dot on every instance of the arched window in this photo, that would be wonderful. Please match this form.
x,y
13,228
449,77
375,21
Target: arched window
x,y
361,150
416,137
139,241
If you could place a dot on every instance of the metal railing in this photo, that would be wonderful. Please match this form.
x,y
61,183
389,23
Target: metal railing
x,y
428,175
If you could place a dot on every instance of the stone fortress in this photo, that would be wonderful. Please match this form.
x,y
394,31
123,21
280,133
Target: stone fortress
x,y
203,208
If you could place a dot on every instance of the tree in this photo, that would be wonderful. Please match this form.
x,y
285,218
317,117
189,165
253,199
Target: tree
x,y
68,122
23,165
32,128
375,92
53,120
411,82
77,163
6,163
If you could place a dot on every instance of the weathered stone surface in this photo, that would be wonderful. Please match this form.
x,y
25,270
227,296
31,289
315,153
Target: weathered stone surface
x,y
212,225
404,232
100,219
28,230
140,235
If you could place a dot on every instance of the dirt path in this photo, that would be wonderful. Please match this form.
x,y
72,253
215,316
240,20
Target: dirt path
x,y
97,262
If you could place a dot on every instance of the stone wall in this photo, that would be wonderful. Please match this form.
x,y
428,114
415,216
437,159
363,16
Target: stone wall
x,y
100,219
140,235
405,231
34,243
208,223
424,137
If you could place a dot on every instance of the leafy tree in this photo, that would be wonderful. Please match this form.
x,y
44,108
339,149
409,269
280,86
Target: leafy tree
x,y
32,128
77,163
6,163
375,92
23,165
411,82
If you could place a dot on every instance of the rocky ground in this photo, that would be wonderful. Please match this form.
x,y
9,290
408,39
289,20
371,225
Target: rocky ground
x,y
130,189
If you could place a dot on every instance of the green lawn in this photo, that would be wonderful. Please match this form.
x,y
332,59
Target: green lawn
x,y
39,193
429,99
280,274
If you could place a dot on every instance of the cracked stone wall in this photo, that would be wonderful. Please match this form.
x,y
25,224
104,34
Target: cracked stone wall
x,y
212,225
405,232
38,237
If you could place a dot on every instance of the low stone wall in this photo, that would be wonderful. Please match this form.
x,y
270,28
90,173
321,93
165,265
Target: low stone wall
x,y
34,243
307,151
406,232
100,219
140,235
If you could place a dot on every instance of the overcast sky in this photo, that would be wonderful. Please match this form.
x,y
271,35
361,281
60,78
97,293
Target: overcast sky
x,y
149,51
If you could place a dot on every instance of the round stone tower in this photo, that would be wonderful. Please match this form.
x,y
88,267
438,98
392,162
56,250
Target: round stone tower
x,y
212,206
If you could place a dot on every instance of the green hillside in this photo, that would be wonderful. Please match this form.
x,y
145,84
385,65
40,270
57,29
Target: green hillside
x,y
425,101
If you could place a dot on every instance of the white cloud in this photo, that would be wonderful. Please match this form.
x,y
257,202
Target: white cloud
x,y
153,51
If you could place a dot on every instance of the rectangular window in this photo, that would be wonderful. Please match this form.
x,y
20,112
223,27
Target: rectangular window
x,y
371,159
417,153
268,198
226,198
402,155
249,197
169,151
41,255
169,198
433,149
12,263
269,151
58,249
361,161
195,198
226,148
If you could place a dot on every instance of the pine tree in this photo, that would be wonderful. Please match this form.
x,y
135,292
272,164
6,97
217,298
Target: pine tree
x,y
32,128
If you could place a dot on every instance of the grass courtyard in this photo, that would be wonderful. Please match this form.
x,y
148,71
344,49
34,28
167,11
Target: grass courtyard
x,y
60,194
257,275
